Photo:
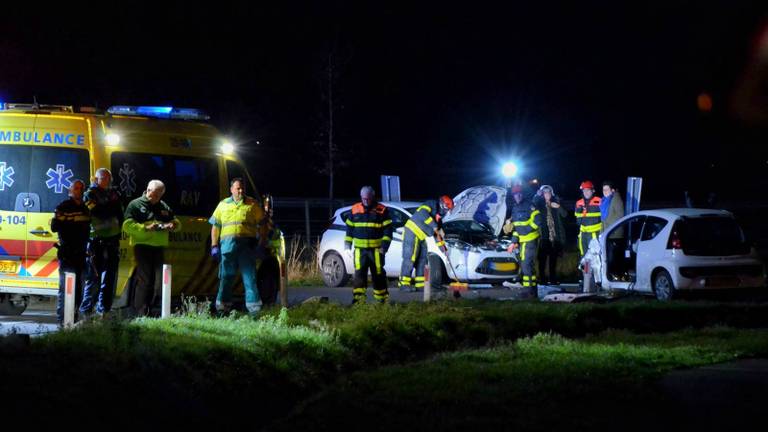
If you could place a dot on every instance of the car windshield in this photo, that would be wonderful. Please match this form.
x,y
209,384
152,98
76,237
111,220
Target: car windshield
x,y
713,236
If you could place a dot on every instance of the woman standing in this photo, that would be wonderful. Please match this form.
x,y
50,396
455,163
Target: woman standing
x,y
552,233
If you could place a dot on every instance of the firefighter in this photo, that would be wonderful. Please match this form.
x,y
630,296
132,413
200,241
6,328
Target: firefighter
x,y
588,216
268,273
104,203
236,243
369,233
523,225
424,222
72,221
148,220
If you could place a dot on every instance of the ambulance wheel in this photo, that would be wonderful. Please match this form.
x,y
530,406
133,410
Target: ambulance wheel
x,y
12,305
436,272
334,271
663,287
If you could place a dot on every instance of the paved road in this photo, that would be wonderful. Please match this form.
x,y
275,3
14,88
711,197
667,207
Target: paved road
x,y
40,316
38,319
721,397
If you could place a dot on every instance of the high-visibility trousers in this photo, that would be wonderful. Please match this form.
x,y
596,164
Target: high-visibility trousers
x,y
373,259
241,259
414,256
528,263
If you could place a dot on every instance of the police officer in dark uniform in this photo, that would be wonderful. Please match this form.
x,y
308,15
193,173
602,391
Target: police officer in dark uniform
x,y
72,221
104,249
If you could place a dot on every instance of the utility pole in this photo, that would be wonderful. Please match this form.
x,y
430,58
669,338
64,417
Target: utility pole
x,y
330,134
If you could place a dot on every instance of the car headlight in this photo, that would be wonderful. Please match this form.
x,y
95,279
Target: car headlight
x,y
462,246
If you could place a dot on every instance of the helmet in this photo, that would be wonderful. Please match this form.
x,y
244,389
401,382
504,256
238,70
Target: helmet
x,y
446,202
517,188
586,184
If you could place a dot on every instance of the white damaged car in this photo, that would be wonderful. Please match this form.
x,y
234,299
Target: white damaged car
x,y
667,252
476,254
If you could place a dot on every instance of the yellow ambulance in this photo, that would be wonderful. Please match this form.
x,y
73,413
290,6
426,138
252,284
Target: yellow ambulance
x,y
44,148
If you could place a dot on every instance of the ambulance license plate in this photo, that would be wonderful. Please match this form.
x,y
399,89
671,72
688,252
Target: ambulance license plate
x,y
9,266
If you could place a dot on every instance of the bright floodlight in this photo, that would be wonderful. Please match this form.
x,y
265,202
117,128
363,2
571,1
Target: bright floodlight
x,y
227,148
112,139
509,169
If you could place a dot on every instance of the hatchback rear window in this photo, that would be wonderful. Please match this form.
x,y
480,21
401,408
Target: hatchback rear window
x,y
712,236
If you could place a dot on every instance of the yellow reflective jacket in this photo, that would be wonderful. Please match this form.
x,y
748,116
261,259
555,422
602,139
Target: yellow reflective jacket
x,y
237,220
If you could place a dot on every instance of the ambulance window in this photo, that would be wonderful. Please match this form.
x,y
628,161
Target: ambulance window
x,y
37,178
191,188
235,170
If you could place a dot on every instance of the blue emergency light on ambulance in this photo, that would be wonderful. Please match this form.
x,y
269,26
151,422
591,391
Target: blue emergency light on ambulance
x,y
163,112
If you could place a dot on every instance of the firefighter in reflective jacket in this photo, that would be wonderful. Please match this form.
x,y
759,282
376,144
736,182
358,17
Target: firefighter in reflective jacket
x,y
523,225
369,233
588,216
423,223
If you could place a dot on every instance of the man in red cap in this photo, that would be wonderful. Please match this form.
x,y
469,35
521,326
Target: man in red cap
x,y
588,216
523,225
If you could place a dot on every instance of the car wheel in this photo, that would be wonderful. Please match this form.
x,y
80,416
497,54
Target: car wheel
x,y
663,287
437,275
334,270
12,305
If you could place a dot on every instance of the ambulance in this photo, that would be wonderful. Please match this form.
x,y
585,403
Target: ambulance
x,y
43,148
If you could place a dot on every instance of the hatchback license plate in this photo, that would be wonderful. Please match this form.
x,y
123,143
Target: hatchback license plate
x,y
722,281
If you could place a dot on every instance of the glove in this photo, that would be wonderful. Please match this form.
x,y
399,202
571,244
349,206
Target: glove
x,y
216,253
508,227
512,247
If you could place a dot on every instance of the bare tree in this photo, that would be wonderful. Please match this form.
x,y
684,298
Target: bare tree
x,y
328,148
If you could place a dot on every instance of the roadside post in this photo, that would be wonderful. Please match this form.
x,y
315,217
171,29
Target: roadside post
x,y
166,302
427,285
69,299
634,189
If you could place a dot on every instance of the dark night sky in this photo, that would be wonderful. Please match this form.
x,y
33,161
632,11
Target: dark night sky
x,y
438,95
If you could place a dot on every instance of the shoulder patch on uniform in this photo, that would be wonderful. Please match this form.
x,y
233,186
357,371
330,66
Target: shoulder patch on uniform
x,y
358,208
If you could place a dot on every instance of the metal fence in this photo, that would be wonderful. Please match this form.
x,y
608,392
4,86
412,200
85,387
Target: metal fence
x,y
306,217
310,217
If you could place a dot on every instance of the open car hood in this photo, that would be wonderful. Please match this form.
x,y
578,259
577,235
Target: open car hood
x,y
483,204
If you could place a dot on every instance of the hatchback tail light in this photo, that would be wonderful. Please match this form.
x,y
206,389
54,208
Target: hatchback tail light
x,y
675,241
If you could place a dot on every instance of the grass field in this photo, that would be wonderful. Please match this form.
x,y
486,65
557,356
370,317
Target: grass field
x,y
441,366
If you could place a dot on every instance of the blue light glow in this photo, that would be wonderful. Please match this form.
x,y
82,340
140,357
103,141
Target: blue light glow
x,y
154,111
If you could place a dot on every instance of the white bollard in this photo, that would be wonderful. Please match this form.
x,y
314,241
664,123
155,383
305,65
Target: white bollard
x,y
166,309
427,285
69,299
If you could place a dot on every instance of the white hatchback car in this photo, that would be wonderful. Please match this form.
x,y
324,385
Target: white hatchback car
x,y
669,251
477,255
